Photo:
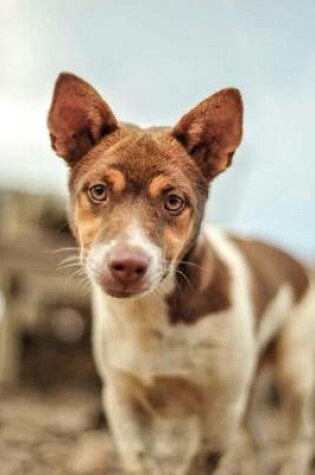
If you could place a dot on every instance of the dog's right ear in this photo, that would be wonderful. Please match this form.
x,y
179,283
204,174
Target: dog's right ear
x,y
78,118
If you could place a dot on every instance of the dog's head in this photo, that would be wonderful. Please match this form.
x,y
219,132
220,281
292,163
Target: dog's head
x,y
137,197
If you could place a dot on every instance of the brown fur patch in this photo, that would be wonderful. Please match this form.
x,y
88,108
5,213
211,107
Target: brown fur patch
x,y
86,225
176,238
185,396
157,185
116,178
203,286
271,268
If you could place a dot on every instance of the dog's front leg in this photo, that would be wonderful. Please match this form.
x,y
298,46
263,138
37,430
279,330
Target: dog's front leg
x,y
220,425
126,424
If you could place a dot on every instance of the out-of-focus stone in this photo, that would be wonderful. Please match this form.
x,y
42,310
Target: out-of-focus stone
x,y
93,454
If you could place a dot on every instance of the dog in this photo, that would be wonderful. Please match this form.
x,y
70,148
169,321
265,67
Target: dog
x,y
184,314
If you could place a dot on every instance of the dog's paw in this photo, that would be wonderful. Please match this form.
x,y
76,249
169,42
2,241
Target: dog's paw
x,y
205,463
297,460
143,465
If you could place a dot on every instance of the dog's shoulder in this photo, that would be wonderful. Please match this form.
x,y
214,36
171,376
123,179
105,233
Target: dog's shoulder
x,y
271,269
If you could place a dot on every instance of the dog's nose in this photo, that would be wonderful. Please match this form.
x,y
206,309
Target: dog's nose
x,y
128,265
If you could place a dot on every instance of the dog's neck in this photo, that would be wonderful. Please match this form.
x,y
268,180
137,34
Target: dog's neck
x,y
200,285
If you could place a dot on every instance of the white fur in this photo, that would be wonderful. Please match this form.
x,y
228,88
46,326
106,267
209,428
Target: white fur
x,y
275,316
134,344
126,346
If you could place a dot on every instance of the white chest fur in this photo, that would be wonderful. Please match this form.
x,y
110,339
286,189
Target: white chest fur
x,y
137,337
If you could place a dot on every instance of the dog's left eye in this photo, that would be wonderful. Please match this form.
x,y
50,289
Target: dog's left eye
x,y
174,203
98,192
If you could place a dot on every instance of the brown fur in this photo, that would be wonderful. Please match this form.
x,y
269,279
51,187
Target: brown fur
x,y
116,179
99,149
78,117
138,159
212,131
86,224
187,397
271,268
164,366
158,185
202,288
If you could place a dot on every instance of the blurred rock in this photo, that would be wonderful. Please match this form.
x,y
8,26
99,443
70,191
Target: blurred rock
x,y
93,454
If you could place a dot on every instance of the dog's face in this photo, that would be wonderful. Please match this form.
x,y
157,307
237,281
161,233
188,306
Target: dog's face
x,y
138,196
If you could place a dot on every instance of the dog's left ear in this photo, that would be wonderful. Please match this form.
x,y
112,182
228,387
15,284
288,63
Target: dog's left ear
x,y
212,131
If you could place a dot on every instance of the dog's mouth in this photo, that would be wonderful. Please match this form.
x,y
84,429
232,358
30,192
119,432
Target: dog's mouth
x,y
124,293
120,291
140,289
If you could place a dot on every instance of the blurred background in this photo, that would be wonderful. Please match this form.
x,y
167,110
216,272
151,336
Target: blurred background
x,y
152,62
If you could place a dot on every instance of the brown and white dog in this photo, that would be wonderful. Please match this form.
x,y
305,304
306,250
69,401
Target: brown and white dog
x,y
183,313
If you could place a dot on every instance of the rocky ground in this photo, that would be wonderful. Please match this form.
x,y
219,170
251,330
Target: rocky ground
x,y
54,432
52,424
60,431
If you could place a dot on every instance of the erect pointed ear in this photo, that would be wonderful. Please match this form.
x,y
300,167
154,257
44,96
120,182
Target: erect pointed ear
x,y
212,131
78,117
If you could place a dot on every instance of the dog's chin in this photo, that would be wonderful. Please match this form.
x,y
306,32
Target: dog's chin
x,y
143,289
124,293
127,292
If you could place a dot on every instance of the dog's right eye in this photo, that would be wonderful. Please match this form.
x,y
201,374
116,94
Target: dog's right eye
x,y
98,192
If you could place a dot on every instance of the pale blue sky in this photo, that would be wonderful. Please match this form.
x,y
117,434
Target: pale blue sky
x,y
153,61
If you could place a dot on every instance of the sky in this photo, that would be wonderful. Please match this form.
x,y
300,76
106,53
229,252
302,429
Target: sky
x,y
152,62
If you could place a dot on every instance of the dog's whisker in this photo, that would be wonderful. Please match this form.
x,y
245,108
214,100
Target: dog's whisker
x,y
61,249
71,258
182,274
193,264
69,261
69,266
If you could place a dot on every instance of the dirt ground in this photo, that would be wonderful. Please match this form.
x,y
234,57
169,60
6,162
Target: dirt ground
x,y
52,424
60,431
55,432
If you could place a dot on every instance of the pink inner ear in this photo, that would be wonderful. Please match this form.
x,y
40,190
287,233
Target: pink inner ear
x,y
71,133
68,121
